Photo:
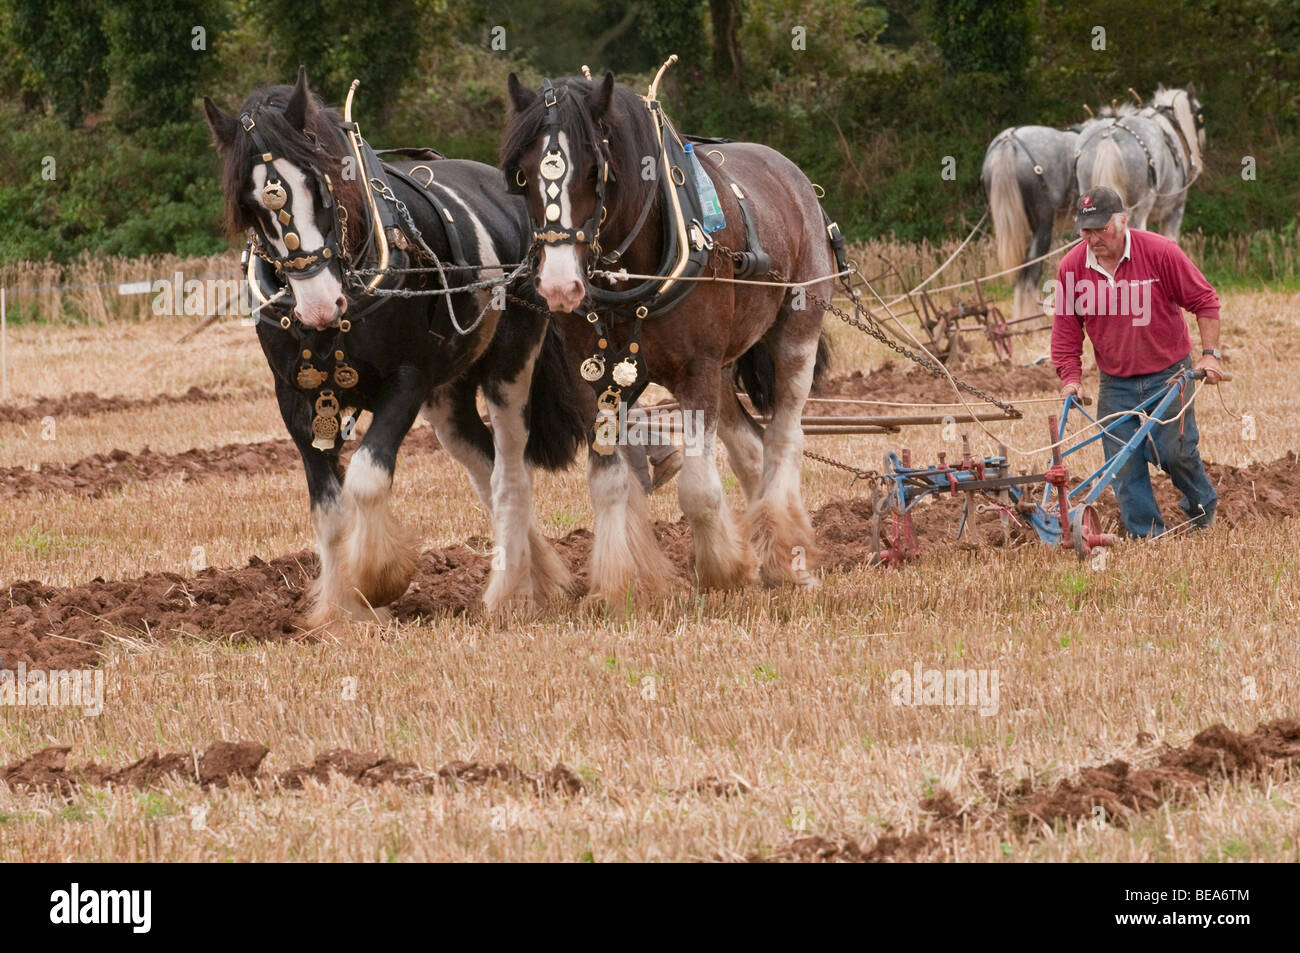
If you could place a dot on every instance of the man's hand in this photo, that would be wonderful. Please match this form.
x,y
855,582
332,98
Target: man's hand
x,y
1210,364
1073,387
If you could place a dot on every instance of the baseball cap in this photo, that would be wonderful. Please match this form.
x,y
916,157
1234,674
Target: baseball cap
x,y
1096,206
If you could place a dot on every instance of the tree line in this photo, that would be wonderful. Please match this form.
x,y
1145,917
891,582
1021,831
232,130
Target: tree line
x,y
871,98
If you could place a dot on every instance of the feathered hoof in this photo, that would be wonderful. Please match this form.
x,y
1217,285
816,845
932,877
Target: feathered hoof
x,y
783,538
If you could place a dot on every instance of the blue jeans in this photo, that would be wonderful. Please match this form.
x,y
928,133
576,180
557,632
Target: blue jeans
x,y
1176,455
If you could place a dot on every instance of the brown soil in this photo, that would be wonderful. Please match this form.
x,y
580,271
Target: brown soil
x,y
48,768
86,403
1268,491
914,384
61,628
103,473
1123,792
55,628
224,760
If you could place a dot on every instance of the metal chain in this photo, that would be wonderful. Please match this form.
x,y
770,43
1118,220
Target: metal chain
x,y
515,299
480,285
872,327
870,476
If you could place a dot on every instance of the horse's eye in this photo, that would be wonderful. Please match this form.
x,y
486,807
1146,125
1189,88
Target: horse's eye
x,y
591,173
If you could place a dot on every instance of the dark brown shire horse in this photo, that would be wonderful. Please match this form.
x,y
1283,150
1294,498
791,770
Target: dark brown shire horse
x,y
333,228
603,174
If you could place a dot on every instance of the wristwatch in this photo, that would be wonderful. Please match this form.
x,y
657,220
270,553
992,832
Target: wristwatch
x,y
1213,352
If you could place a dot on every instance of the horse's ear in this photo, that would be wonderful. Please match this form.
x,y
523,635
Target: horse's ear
x,y
1191,90
521,97
223,125
600,97
296,110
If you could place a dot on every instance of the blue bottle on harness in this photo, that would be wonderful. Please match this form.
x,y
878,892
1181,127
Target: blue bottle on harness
x,y
714,220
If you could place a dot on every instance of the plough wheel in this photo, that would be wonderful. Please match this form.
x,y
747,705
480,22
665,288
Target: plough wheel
x,y
1085,530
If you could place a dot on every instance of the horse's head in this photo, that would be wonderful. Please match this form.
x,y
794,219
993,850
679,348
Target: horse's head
x,y
1185,110
556,155
1198,115
283,161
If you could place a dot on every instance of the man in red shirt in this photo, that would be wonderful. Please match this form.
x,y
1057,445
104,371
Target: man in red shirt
x,y
1127,290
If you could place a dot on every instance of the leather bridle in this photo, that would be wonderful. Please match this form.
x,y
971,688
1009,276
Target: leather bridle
x,y
554,163
277,196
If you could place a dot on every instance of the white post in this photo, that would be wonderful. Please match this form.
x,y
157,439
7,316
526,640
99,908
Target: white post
x,y
4,348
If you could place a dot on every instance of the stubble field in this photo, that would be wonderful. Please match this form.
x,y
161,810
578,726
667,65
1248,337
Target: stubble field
x,y
752,725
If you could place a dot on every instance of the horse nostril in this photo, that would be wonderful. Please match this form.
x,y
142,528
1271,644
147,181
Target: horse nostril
x,y
341,303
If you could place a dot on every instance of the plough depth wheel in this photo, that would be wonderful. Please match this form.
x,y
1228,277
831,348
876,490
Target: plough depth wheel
x,y
1085,530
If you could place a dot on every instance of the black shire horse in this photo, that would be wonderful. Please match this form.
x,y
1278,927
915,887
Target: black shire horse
x,y
302,183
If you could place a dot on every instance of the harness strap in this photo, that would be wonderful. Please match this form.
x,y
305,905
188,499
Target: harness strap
x,y
616,255
754,260
1011,135
458,258
1151,162
277,197
1172,118
663,293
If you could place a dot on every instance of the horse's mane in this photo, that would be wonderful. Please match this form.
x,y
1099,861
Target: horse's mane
x,y
628,127
288,143
1117,111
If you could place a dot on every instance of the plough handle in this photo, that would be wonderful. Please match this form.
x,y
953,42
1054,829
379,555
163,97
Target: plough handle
x,y
1199,375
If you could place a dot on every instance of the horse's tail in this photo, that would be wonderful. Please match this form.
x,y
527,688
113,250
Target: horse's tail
x,y
555,426
822,363
1108,168
1007,204
755,373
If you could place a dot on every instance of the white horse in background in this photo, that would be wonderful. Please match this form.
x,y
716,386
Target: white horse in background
x,y
1149,155
1029,182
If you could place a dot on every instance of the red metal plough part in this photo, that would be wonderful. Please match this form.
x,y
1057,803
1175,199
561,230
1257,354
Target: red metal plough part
x,y
902,537
1080,528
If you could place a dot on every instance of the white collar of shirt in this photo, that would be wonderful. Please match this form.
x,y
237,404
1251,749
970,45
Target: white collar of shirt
x,y
1091,261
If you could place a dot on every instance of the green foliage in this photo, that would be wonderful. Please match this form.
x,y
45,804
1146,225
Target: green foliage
x,y
675,26
983,36
113,193
869,103
338,41
63,44
158,58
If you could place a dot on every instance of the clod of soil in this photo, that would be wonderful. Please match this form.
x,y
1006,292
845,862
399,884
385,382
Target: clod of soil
x,y
87,403
1124,792
47,770
1120,790
54,628
913,384
103,473
888,847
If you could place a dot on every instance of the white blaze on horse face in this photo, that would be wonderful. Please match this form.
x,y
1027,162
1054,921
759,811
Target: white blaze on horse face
x,y
559,275
317,297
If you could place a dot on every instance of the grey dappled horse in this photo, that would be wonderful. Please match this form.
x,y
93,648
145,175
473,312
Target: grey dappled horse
x,y
1149,155
1029,182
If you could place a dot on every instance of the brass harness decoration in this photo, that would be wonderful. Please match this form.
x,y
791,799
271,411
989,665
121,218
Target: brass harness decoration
x,y
621,378
277,197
